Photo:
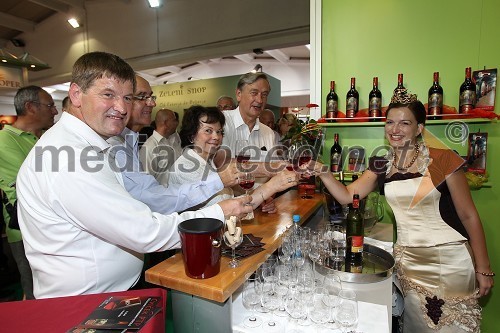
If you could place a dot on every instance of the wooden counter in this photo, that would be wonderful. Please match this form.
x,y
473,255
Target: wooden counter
x,y
170,273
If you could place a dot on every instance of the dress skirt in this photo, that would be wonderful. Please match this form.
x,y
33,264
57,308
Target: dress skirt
x,y
439,285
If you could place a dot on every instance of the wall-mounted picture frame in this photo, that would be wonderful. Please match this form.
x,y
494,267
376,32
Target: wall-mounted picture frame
x,y
476,156
486,82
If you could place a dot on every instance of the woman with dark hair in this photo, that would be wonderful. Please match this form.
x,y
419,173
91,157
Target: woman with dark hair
x,y
201,137
441,258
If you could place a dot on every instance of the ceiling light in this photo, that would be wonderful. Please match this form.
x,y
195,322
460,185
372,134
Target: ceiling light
x,y
74,23
257,68
154,3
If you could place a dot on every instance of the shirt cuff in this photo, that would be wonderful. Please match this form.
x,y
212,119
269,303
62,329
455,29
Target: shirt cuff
x,y
213,211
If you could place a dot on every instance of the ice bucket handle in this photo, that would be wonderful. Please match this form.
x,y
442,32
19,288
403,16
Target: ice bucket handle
x,y
216,243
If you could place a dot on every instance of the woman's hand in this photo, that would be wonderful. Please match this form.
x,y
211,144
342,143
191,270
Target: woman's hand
x,y
229,174
283,180
485,284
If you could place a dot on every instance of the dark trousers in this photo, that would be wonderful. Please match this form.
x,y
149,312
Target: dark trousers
x,y
24,268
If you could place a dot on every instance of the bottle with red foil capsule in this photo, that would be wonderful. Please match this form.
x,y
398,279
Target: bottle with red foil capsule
x,y
400,82
352,100
354,231
467,98
332,101
435,101
336,155
375,102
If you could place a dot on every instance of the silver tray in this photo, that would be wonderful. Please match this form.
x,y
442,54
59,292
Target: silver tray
x,y
378,265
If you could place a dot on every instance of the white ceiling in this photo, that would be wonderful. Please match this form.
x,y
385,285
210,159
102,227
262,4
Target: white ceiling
x,y
289,64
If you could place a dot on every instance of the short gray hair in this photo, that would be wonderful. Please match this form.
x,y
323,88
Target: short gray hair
x,y
250,78
26,94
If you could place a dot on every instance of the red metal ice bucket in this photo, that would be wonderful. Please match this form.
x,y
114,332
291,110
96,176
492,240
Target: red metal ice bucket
x,y
201,247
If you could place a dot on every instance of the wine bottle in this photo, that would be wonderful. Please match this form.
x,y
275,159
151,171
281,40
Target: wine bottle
x,y
332,102
467,98
374,101
435,101
400,82
353,266
352,100
336,155
354,231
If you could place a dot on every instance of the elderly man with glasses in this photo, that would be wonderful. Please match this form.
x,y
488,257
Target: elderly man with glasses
x,y
35,110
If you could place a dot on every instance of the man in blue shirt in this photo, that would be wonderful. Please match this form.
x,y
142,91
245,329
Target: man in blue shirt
x,y
144,187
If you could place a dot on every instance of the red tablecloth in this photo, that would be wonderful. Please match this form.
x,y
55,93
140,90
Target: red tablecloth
x,y
53,315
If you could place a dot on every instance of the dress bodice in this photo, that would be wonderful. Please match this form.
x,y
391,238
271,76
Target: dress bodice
x,y
415,202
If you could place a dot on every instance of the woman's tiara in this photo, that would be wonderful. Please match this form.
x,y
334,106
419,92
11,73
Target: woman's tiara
x,y
402,96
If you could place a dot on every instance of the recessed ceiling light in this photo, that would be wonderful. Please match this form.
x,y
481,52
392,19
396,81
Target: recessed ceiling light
x,y
74,23
154,3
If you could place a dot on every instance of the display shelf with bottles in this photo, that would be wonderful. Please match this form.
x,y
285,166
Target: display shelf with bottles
x,y
360,122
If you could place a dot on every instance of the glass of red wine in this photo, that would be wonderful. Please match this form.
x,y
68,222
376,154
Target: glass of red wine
x,y
246,182
300,153
242,151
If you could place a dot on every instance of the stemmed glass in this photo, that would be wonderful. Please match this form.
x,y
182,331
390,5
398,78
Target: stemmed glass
x,y
242,151
333,286
233,237
246,182
319,312
297,307
347,312
271,301
251,297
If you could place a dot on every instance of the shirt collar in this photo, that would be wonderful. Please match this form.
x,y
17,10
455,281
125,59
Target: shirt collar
x,y
84,130
16,131
238,120
157,136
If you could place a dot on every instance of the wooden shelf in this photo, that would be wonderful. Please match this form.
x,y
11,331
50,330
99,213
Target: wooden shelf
x,y
356,123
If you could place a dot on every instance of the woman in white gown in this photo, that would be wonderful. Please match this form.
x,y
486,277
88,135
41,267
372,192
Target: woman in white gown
x,y
441,258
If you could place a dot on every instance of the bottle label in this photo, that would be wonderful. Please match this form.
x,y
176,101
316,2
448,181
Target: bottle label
x,y
331,109
356,268
375,103
357,244
335,162
468,97
435,104
351,107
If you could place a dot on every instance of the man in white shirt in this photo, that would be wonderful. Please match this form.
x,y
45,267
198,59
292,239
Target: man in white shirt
x,y
161,149
143,186
243,123
83,232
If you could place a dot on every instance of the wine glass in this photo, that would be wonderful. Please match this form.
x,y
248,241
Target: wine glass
x,y
319,312
271,301
242,151
233,237
299,153
347,311
246,182
251,297
333,286
297,307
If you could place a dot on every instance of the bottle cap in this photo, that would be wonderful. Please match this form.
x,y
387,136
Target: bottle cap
x,y
296,218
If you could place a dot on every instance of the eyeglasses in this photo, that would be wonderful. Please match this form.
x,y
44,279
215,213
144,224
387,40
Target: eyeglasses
x,y
50,106
144,98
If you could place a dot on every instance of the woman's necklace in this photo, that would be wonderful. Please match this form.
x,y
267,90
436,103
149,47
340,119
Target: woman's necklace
x,y
406,167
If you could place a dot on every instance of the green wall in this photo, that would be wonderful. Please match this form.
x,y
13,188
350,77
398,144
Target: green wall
x,y
365,38
179,96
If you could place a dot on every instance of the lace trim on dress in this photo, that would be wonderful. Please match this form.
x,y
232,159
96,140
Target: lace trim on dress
x,y
463,312
423,159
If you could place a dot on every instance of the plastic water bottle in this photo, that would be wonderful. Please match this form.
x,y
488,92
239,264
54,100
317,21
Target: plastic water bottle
x,y
296,226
